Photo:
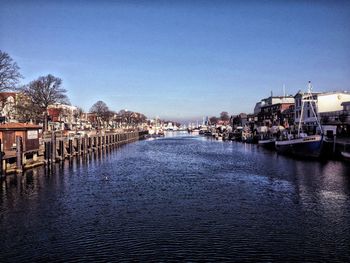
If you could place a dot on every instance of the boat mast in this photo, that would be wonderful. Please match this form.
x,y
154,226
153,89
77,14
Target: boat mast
x,y
301,113
311,100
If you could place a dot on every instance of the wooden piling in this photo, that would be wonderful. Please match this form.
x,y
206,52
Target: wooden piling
x,y
85,141
95,142
53,147
77,146
19,154
89,144
61,149
1,155
47,146
70,147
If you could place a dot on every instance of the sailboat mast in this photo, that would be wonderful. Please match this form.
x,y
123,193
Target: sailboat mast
x,y
311,99
301,114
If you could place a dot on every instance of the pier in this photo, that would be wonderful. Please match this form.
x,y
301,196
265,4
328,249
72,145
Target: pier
x,y
55,147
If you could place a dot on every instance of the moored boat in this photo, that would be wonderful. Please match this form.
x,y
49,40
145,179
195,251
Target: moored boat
x,y
195,131
346,155
267,143
303,145
308,146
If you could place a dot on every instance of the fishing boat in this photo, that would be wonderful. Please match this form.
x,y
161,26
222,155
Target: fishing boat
x,y
267,136
303,145
307,146
268,143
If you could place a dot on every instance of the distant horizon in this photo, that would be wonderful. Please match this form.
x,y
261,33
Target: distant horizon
x,y
182,60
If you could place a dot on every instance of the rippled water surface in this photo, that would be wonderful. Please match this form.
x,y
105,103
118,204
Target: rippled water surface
x,y
178,198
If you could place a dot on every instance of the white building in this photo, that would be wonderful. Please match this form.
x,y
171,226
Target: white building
x,y
326,104
62,116
8,102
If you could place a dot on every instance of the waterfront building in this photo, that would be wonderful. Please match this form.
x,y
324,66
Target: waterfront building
x,y
287,116
271,111
239,120
8,102
344,118
29,135
329,109
62,116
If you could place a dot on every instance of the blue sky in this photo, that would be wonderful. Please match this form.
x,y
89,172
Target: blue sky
x,y
180,59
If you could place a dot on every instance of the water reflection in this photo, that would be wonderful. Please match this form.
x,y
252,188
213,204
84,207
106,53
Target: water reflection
x,y
181,197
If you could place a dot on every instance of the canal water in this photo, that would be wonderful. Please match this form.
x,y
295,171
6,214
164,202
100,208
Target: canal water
x,y
182,198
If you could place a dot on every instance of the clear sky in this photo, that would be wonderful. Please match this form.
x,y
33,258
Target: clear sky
x,y
180,59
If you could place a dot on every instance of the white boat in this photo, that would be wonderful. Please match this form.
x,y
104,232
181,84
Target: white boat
x,y
195,132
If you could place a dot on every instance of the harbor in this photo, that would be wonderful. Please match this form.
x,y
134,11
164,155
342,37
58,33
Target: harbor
x,y
308,125
174,131
326,148
178,197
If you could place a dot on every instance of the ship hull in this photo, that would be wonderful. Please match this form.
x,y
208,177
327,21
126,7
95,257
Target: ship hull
x,y
310,146
345,155
268,144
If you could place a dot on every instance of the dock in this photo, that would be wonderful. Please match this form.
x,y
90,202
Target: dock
x,y
55,147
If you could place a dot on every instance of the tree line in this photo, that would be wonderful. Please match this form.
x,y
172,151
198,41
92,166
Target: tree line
x,y
224,116
35,97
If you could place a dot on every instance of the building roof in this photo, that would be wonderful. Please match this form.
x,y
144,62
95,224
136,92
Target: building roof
x,y
62,106
6,94
323,93
276,104
300,93
333,92
19,126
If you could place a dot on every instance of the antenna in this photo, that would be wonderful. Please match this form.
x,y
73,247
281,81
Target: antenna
x,y
284,90
309,87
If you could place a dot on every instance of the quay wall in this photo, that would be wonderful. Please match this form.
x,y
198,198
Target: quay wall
x,y
54,147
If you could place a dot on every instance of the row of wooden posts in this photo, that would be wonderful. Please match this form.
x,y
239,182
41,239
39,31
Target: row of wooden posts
x,y
60,148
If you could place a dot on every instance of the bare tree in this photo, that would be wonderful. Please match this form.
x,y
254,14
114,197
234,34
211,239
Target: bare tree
x,y
27,111
213,120
141,118
102,112
44,91
78,114
9,72
224,116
